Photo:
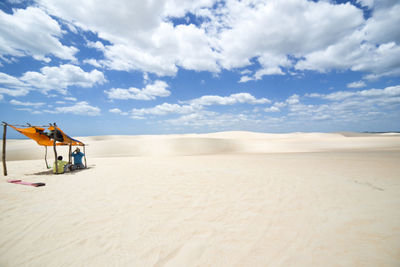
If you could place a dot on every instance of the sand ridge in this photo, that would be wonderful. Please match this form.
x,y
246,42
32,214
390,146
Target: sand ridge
x,y
213,143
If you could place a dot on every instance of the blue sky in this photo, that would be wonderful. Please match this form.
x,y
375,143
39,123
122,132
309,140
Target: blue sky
x,y
177,66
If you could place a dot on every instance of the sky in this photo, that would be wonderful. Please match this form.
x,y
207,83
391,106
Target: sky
x,y
179,66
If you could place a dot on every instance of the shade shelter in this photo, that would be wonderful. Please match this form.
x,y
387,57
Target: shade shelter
x,y
53,137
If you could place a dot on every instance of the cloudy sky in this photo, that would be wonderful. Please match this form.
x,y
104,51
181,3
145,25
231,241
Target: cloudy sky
x,y
179,66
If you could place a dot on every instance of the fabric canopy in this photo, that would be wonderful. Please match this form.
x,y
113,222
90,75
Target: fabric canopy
x,y
46,139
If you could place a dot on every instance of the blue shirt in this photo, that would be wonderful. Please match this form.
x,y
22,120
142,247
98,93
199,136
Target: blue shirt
x,y
78,157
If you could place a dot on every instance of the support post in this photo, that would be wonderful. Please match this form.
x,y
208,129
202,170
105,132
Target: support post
x,y
45,157
54,148
70,154
4,149
84,155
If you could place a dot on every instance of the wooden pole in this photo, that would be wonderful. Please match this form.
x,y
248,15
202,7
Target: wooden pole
x,y
84,155
70,154
45,157
4,149
54,148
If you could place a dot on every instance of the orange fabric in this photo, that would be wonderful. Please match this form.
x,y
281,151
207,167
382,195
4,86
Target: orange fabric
x,y
34,133
37,134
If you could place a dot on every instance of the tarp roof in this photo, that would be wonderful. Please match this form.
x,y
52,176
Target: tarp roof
x,y
46,138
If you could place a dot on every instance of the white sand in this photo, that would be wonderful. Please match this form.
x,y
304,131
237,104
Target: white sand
x,y
223,199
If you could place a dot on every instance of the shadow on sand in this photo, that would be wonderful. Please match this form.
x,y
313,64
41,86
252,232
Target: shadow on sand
x,y
50,172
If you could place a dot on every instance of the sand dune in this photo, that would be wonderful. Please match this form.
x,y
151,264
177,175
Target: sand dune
x,y
214,143
221,199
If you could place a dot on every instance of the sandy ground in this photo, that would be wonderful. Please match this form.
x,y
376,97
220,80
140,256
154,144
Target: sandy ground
x,y
223,199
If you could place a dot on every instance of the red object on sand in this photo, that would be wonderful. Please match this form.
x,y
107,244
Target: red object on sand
x,y
26,183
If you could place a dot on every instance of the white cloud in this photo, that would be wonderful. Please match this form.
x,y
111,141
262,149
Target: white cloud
x,y
97,45
141,37
372,48
382,27
294,28
13,86
277,106
49,79
118,111
164,109
80,108
196,106
293,99
376,94
357,84
163,50
28,104
241,98
245,78
179,8
30,110
367,3
272,109
345,107
214,120
92,62
62,77
379,60
70,98
278,35
150,92
32,32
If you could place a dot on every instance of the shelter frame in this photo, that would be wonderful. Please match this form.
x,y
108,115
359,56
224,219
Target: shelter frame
x,y
42,140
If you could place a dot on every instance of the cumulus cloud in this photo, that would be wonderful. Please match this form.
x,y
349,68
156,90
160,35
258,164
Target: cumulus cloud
x,y
59,78
272,109
92,62
10,85
376,94
48,79
164,109
142,39
69,98
198,104
345,106
213,120
179,8
294,28
280,36
28,104
80,108
366,3
372,48
34,33
150,92
277,106
118,111
241,98
357,84
332,109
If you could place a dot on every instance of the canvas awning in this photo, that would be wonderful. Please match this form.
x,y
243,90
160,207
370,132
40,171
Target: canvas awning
x,y
46,138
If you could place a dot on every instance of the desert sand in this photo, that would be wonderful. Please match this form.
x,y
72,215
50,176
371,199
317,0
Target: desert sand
x,y
221,199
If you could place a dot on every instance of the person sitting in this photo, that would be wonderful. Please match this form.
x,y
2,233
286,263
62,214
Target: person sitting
x,y
78,155
62,166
